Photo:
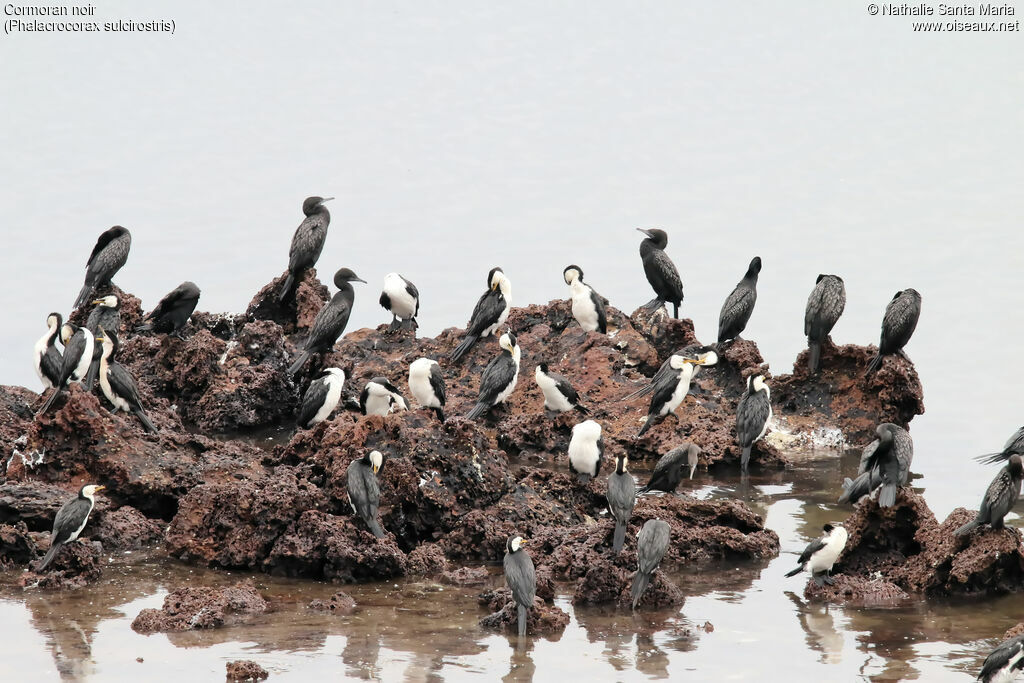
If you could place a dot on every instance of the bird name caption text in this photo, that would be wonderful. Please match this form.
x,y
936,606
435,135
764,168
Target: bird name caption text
x,y
76,18
929,17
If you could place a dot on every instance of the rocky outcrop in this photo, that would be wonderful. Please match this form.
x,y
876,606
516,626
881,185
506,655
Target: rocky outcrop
x,y
75,565
245,670
189,608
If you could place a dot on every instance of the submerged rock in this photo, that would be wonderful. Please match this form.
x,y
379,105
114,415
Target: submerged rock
x,y
339,603
190,608
542,619
245,670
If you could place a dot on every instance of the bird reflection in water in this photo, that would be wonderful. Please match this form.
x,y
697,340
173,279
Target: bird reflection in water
x,y
520,666
817,623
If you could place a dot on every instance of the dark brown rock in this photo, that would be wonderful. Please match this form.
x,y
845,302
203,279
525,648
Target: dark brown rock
x,y
298,310
466,576
339,603
245,670
123,529
17,547
188,608
857,591
427,560
75,565
542,619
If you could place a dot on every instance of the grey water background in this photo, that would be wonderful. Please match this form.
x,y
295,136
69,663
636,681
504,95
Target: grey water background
x,y
529,135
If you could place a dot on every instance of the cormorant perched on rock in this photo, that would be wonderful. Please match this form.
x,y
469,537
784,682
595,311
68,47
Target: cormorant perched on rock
x,y
821,554
670,390
427,385
173,311
490,312
107,257
70,521
1004,663
117,383
669,471
499,378
380,397
78,346
559,396
898,326
753,414
1014,446
884,463
401,299
47,356
586,449
651,545
1000,497
106,315
705,354
520,577
660,271
330,322
307,242
587,305
736,310
621,497
824,306
363,490
321,398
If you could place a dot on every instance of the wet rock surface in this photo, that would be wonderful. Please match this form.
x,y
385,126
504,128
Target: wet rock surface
x,y
190,608
339,603
245,670
542,619
75,565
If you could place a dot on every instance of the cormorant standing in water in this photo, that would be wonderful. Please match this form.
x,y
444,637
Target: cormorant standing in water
x,y
520,577
78,346
499,378
898,326
587,305
1000,497
884,463
660,271
824,306
321,398
117,383
736,310
559,396
427,385
47,357
363,490
1004,663
330,322
401,299
490,312
821,554
621,497
669,471
753,414
651,545
670,390
380,397
1014,446
586,449
307,242
705,354
106,315
70,521
173,311
107,257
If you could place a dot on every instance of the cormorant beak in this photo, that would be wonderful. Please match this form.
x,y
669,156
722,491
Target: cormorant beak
x,y
694,361
494,286
646,232
522,541
97,301
100,488
326,199
98,338
375,469
359,279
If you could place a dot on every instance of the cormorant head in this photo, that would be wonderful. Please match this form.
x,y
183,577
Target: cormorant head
x,y
822,276
1016,466
494,277
109,301
658,237
757,382
376,461
621,460
189,290
571,274
692,457
542,367
755,266
707,357
90,490
333,372
827,529
421,366
345,275
588,429
67,331
885,432
109,340
514,543
54,321
508,341
913,294
312,205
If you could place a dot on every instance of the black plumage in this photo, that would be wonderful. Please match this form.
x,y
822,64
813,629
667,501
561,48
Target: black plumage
x,y
670,390
587,305
489,314
78,346
824,306
752,416
48,357
106,315
1003,662
661,272
320,398
330,322
705,354
738,306
379,397
173,311
621,497
107,257
1000,497
1014,446
559,394
363,490
898,325
668,472
499,377
70,521
401,299
521,578
426,383
885,463
117,382
307,242
651,545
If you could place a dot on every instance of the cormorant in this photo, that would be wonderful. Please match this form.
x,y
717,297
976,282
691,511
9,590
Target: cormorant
x,y
660,271
670,390
47,356
78,346
363,490
621,499
651,545
736,310
898,325
321,398
705,354
669,471
106,314
400,298
884,463
117,383
1004,663
1000,497
1014,446
499,378
427,385
107,257
307,242
70,521
520,577
753,414
824,306
380,397
330,322
173,311
821,554
559,396
587,305
489,314
586,449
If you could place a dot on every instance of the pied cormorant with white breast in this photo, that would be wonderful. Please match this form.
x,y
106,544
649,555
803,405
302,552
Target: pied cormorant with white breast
x,y
427,385
70,521
321,397
106,315
401,299
753,414
380,397
670,390
490,312
46,354
587,305
559,396
117,383
821,554
78,346
500,376
586,449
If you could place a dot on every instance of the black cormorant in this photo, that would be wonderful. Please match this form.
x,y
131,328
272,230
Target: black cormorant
x,y
489,314
117,383
736,310
321,397
559,396
660,271
705,354
499,378
70,521
47,356
587,305
1000,497
670,390
330,322
753,414
669,471
363,490
1004,663
586,449
824,306
898,326
427,385
520,577
621,499
821,554
401,299
1014,446
651,545
106,315
107,257
380,397
884,463
307,242
78,346
173,311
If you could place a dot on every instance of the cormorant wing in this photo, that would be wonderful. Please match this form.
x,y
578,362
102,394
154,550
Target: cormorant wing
x,y
329,322
1015,444
437,383
363,491
651,545
565,388
104,239
520,577
900,321
1002,493
1001,656
64,524
812,547
111,255
411,290
738,306
312,401
72,354
123,384
497,375
169,300
867,455
307,242
486,312
662,274
752,417
602,314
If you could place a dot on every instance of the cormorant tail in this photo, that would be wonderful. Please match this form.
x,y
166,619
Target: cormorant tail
x,y
463,347
375,528
620,536
887,496
287,288
299,362
478,410
813,357
992,458
643,489
795,571
49,401
675,310
583,409
640,582
48,557
875,363
745,458
847,490
144,327
83,296
147,424
522,620
583,478
91,375
643,391
967,528
647,425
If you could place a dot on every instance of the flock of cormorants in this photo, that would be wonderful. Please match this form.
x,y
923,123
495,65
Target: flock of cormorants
x,y
90,354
